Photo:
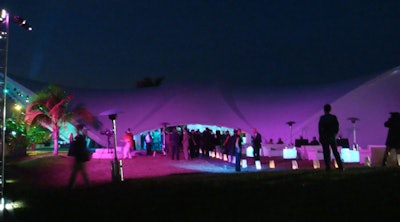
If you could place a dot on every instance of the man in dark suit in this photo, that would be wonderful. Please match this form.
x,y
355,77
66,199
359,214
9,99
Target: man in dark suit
x,y
393,136
328,128
175,142
256,142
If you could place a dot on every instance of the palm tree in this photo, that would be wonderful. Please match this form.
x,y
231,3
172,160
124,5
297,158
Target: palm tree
x,y
51,108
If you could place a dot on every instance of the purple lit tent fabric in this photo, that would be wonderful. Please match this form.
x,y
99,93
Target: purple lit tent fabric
x,y
265,108
241,106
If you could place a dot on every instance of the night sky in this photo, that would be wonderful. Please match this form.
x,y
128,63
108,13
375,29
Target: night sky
x,y
113,44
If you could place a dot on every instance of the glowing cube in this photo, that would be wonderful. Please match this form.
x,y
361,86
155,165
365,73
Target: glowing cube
x,y
350,156
289,153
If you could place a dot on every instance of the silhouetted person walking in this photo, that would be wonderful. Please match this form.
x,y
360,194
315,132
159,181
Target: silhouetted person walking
x,y
328,128
81,154
393,136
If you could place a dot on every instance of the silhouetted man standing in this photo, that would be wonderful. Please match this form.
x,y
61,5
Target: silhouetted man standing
x,y
328,128
175,142
256,142
393,136
149,143
238,148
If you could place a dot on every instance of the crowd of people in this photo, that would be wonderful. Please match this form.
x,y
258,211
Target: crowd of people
x,y
199,144
194,143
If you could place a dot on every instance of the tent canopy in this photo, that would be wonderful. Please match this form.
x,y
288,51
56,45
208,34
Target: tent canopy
x,y
233,105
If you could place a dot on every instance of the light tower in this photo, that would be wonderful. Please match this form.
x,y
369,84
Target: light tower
x,y
4,36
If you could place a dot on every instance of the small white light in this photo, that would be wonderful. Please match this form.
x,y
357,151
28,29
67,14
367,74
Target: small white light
x,y
3,14
258,165
244,163
9,206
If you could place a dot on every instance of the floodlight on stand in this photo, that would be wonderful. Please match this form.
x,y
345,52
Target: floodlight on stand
x,y
116,165
290,123
353,121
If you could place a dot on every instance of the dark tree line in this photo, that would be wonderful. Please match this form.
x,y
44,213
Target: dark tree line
x,y
149,82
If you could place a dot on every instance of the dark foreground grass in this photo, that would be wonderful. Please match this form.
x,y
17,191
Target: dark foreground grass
x,y
304,195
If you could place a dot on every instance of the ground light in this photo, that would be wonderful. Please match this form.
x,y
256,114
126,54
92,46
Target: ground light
x,y
6,208
6,204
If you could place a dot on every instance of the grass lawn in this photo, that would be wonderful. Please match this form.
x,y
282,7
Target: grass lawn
x,y
155,190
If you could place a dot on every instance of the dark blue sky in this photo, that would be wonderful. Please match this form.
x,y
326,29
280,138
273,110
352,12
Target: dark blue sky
x,y
113,44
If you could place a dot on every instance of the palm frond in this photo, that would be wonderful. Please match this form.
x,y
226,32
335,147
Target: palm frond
x,y
36,118
83,115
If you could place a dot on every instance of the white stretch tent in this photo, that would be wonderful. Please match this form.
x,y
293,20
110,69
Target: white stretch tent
x,y
266,108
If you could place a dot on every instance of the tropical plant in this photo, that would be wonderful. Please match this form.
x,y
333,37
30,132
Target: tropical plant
x,y
51,108
20,137
16,137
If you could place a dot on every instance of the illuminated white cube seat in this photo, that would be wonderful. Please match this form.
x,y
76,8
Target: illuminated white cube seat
x,y
271,150
350,156
290,153
249,151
